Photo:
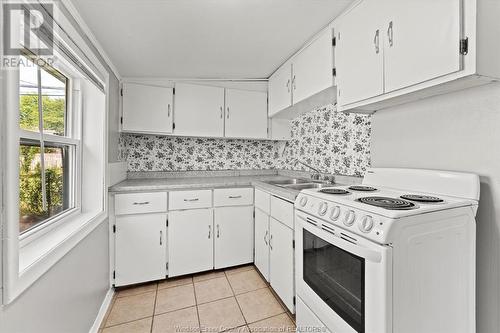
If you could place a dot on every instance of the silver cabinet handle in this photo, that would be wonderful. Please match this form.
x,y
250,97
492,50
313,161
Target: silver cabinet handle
x,y
218,231
234,197
228,112
376,41
390,34
191,200
161,237
294,84
221,111
288,85
271,242
209,231
265,236
141,203
168,112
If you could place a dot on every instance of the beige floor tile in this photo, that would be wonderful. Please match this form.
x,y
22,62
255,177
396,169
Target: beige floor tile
x,y
259,304
174,298
138,326
241,329
220,315
243,282
136,290
175,282
239,269
208,275
185,320
278,324
130,308
212,290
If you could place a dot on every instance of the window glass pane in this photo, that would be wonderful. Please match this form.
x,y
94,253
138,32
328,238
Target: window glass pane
x,y
53,103
31,209
28,95
53,86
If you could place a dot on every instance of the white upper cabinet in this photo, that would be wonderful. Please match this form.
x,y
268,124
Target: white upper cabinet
x,y
280,89
199,110
307,74
312,68
147,109
391,52
421,41
246,114
359,53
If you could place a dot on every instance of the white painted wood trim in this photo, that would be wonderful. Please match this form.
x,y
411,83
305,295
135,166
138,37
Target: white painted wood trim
x,y
106,303
88,33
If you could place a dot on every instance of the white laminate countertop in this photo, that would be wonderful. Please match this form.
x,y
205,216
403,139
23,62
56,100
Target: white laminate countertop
x,y
204,180
191,183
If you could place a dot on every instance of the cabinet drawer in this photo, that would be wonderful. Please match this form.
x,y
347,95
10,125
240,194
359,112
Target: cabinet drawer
x,y
139,203
190,199
262,201
282,211
233,197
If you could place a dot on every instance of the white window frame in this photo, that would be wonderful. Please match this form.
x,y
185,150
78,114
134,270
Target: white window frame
x,y
72,138
22,266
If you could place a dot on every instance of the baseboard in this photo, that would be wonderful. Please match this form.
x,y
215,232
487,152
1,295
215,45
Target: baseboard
x,y
102,311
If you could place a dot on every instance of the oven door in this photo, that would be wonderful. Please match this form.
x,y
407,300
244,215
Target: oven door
x,y
343,278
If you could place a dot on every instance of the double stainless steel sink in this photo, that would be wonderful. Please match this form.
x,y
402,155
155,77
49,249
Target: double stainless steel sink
x,y
299,184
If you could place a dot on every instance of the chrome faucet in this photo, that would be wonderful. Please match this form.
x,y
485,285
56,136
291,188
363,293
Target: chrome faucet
x,y
317,174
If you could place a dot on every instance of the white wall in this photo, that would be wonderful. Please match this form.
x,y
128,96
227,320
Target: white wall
x,y
458,131
67,298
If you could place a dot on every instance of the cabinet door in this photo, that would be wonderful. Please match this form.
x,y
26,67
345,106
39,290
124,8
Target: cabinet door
x,y
312,68
281,262
233,236
280,89
246,114
422,41
140,251
147,109
262,243
359,54
199,110
190,241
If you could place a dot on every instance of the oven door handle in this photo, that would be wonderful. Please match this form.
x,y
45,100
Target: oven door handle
x,y
341,243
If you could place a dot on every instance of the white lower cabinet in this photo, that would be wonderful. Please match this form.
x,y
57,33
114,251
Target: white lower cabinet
x,y
262,242
281,261
140,243
233,236
190,241
274,246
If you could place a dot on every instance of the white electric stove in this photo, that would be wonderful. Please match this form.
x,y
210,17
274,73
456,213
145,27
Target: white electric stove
x,y
395,254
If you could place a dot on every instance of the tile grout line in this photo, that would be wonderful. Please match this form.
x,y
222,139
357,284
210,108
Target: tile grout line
x,y
127,322
154,309
238,303
196,306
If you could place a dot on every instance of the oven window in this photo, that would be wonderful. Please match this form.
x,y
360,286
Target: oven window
x,y
338,277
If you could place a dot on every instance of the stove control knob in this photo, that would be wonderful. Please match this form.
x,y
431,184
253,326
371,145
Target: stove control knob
x,y
335,213
323,207
349,218
366,224
303,201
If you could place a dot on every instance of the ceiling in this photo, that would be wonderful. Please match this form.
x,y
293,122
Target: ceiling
x,y
204,38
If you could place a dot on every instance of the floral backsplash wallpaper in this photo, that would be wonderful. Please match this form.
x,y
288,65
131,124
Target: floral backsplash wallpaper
x,y
328,140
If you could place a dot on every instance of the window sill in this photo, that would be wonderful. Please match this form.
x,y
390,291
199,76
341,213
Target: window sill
x,y
41,254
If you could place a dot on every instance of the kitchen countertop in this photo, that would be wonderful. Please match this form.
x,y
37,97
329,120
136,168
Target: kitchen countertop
x,y
219,180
